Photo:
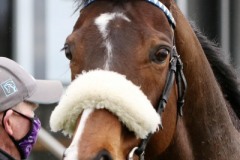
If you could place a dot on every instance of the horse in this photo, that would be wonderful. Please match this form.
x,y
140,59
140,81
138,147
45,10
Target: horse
x,y
131,97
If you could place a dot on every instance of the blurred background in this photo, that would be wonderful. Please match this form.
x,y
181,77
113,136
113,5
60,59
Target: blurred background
x,y
32,32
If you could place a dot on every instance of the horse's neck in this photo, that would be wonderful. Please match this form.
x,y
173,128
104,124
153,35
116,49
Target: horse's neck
x,y
206,130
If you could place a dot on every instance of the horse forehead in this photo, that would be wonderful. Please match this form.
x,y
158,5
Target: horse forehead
x,y
103,20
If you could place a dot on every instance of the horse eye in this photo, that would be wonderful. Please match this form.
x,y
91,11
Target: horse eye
x,y
67,50
160,56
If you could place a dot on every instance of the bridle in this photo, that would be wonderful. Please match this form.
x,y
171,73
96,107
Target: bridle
x,y
175,72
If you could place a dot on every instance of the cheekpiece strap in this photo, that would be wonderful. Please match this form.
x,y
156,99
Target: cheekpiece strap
x,y
157,3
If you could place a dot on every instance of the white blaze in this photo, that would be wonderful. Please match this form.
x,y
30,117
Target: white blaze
x,y
71,152
102,23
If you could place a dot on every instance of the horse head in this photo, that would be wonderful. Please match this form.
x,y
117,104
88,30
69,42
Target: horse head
x,y
134,39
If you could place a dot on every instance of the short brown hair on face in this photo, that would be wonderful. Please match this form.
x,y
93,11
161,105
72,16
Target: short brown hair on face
x,y
26,107
34,105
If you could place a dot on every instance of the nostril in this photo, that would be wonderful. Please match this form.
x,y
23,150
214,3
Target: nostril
x,y
103,155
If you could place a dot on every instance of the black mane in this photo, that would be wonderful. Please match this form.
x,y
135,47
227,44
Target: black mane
x,y
223,71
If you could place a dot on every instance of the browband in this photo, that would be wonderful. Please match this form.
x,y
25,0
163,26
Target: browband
x,y
157,3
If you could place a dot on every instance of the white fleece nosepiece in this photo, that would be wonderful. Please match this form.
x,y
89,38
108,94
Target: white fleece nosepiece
x,y
100,89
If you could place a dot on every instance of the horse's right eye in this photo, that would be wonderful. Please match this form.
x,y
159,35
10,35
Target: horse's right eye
x,y
160,55
67,50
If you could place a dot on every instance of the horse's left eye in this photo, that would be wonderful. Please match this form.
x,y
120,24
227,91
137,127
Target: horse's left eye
x,y
160,56
67,50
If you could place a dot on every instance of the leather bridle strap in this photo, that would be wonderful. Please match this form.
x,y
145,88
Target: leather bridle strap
x,y
169,81
182,86
175,70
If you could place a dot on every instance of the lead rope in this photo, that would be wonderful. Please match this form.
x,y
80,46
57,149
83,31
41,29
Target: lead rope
x,y
175,70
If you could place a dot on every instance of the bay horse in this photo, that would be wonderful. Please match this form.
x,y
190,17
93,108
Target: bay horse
x,y
127,95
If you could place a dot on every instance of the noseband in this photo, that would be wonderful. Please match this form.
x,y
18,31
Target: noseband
x,y
175,72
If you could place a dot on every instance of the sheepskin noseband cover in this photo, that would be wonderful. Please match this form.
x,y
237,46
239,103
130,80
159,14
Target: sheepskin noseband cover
x,y
99,89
